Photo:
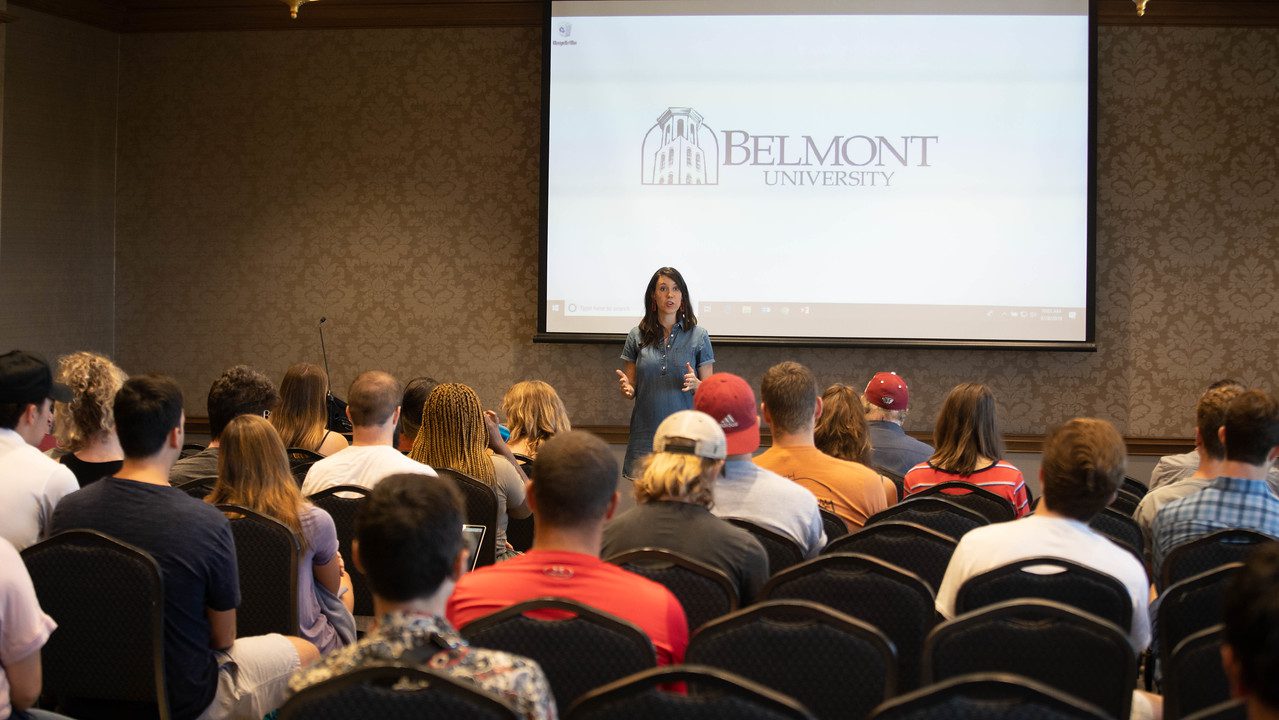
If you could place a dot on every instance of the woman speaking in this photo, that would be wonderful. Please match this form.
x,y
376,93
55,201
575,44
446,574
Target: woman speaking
x,y
667,356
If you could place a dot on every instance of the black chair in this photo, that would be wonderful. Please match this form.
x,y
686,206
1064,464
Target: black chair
x,y
1134,486
301,460
897,602
266,552
108,600
782,551
519,533
395,693
907,545
988,696
1055,644
705,592
341,503
1070,583
899,481
1189,606
833,524
481,509
1122,529
978,499
1235,709
1208,552
713,694
198,489
1193,677
190,449
935,513
838,667
578,647
1125,502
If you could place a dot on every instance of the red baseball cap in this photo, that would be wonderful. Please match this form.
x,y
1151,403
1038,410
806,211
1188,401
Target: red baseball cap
x,y
729,400
888,391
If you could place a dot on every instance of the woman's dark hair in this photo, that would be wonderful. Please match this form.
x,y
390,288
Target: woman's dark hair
x,y
967,429
650,327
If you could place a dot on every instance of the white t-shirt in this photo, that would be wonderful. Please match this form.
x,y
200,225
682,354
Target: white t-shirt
x,y
992,546
362,465
24,628
30,487
749,492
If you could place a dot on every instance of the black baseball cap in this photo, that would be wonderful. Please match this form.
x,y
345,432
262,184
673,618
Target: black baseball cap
x,y
26,378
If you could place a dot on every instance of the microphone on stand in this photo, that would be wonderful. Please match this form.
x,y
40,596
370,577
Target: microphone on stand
x,y
338,421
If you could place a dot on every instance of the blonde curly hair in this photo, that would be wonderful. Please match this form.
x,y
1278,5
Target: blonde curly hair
x,y
95,380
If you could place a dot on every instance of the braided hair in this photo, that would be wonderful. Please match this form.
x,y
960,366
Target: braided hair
x,y
452,434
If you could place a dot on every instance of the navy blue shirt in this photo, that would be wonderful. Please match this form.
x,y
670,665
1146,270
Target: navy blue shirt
x,y
894,450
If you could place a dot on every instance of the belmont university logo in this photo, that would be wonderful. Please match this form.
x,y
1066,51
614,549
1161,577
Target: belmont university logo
x,y
680,149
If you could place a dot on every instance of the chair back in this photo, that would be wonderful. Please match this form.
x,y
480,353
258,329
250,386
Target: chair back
x,y
935,513
898,480
1122,530
300,461
988,696
782,551
1208,552
833,524
266,551
705,592
395,693
907,545
1055,644
1189,606
838,667
198,489
578,647
712,693
1125,502
978,499
341,503
1236,709
108,600
1049,578
481,509
896,601
1134,486
1193,678
190,449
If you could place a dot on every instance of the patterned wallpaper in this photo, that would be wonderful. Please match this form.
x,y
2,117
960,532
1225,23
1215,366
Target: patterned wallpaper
x,y
388,179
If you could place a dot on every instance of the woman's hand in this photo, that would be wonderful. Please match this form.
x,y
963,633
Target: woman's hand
x,y
624,384
691,381
496,443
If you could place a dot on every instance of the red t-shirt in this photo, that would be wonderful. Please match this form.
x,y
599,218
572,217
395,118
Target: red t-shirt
x,y
1001,478
583,578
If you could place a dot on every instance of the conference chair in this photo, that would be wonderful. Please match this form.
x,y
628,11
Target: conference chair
x,y
935,513
1125,502
896,601
1236,709
395,693
341,503
108,600
837,666
266,552
978,499
1067,582
1191,605
1050,642
833,524
782,551
519,531
897,479
300,461
481,509
1122,530
705,592
1134,486
578,647
190,449
1208,552
712,694
988,696
198,489
1193,677
907,545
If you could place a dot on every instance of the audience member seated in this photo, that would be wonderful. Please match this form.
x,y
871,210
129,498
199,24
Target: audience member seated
x,y
1209,417
253,472
209,673
415,393
302,415
791,407
1240,496
573,492
1250,654
1172,468
841,431
85,427
408,544
535,413
746,490
240,390
373,406
674,494
886,400
456,433
24,629
970,448
31,485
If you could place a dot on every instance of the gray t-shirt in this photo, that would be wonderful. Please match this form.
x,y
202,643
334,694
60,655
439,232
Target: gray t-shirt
x,y
200,466
510,494
749,492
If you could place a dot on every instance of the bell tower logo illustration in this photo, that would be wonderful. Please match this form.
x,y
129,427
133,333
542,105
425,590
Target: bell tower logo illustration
x,y
680,149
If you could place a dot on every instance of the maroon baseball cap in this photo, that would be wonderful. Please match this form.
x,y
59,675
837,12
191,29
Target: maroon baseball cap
x,y
729,400
888,391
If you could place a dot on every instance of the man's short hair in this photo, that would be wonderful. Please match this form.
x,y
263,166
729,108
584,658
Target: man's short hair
x,y
1251,606
11,413
1252,427
574,478
146,408
1210,415
410,531
1083,465
373,397
789,392
240,390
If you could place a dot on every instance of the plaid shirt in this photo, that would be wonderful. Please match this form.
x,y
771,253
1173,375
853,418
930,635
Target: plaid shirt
x,y
1227,504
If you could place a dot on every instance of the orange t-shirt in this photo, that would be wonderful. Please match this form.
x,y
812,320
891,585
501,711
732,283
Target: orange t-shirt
x,y
851,490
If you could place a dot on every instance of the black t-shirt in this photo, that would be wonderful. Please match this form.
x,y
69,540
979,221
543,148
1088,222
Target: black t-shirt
x,y
87,472
191,541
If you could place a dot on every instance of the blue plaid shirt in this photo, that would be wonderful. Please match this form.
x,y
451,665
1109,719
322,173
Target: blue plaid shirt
x,y
1226,504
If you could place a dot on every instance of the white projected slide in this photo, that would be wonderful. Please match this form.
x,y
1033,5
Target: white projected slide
x,y
862,169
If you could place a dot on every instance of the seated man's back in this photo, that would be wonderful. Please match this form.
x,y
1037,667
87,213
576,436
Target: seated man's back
x,y
851,490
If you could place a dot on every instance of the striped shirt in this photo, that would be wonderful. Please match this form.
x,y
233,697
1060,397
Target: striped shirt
x,y
1227,504
1000,477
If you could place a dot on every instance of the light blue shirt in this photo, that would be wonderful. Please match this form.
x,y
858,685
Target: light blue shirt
x,y
659,383
749,492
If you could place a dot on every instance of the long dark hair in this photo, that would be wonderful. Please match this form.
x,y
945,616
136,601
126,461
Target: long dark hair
x,y
651,327
967,427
